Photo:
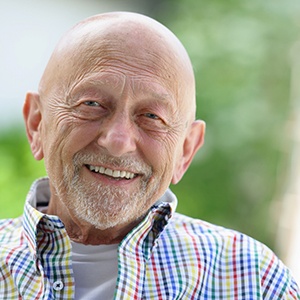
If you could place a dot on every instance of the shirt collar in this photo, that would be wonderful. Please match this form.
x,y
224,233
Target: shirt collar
x,y
144,235
167,199
33,218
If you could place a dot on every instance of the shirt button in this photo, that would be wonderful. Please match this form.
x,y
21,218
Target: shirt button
x,y
58,285
50,225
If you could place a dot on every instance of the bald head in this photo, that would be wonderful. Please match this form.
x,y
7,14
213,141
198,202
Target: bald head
x,y
118,95
137,43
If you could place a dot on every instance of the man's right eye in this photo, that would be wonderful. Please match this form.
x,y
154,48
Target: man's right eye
x,y
91,103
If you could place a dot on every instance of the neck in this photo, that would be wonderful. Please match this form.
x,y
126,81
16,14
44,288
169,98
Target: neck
x,y
83,232
89,235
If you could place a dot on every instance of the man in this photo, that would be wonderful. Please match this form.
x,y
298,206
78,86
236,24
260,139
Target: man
x,y
114,122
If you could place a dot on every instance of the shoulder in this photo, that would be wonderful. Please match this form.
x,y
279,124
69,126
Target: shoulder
x,y
221,246
226,261
10,230
208,232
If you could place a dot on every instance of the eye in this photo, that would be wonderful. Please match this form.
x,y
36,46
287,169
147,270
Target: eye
x,y
152,116
91,103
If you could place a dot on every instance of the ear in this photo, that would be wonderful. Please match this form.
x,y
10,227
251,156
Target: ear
x,y
192,143
32,117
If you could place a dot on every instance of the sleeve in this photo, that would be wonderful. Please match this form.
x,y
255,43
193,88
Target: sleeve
x,y
277,281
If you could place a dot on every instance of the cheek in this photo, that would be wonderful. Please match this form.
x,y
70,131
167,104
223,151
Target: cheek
x,y
64,139
162,155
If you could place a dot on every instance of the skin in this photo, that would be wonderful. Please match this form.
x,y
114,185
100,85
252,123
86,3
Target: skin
x,y
118,93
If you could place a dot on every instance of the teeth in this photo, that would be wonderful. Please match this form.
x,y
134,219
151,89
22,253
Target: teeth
x,y
116,174
112,173
108,172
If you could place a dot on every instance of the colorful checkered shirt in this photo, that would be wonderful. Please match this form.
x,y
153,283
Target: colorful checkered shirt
x,y
167,256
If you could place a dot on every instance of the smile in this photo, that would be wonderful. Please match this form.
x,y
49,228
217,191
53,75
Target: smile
x,y
111,173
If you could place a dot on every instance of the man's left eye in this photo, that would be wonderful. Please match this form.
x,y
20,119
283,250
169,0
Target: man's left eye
x,y
152,116
91,103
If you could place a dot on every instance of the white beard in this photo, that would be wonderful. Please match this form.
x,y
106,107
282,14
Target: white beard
x,y
101,205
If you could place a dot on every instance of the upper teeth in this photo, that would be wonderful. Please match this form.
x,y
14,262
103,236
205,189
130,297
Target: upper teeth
x,y
113,173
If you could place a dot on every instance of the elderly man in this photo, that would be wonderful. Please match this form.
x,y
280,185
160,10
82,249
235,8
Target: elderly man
x,y
114,121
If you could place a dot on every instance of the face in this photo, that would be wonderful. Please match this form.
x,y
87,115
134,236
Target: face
x,y
113,135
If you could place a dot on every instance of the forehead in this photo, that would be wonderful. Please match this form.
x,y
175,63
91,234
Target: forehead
x,y
140,66
113,84
151,60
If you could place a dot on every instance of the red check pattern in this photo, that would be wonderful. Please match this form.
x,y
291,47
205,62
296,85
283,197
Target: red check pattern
x,y
167,256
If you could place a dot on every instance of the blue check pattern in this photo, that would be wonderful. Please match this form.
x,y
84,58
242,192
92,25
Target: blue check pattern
x,y
167,256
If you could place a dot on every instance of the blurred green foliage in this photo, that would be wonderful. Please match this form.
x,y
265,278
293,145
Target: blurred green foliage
x,y
18,171
240,52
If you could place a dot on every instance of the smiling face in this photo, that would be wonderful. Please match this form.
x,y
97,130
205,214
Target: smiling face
x,y
114,119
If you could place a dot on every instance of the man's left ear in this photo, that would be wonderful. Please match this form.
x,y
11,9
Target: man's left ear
x,y
193,142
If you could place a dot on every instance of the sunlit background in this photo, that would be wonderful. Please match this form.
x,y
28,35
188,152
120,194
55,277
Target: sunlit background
x,y
246,60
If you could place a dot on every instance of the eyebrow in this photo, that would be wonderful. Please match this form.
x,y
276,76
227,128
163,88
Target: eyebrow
x,y
158,96
160,93
103,80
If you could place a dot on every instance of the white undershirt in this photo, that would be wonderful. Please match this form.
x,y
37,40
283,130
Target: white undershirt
x,y
95,271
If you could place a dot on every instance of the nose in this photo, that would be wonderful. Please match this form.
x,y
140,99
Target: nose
x,y
117,136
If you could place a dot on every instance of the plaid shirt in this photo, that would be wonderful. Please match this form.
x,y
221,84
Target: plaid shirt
x,y
167,256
